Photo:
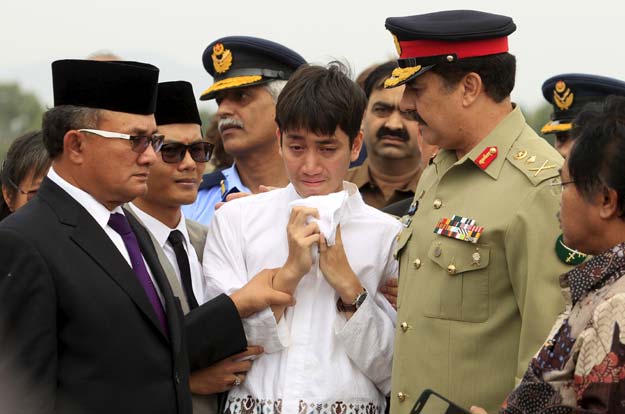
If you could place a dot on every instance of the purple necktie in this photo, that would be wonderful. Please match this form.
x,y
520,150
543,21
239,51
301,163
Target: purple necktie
x,y
119,223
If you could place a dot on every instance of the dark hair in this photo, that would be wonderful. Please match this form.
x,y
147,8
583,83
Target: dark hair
x,y
375,79
321,99
597,159
26,154
497,73
60,119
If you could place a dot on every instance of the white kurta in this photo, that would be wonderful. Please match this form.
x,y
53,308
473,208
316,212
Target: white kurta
x,y
315,360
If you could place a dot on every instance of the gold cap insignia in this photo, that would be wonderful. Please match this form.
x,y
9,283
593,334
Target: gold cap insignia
x,y
397,45
401,74
222,58
562,96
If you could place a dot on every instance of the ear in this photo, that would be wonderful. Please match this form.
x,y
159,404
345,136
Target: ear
x,y
472,87
609,204
7,198
74,144
356,146
279,138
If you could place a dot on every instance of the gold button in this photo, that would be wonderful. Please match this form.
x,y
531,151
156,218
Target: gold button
x,y
437,204
417,263
403,326
451,269
401,396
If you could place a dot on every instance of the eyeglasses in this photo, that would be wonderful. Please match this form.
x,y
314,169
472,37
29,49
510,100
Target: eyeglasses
x,y
29,194
557,186
139,143
175,152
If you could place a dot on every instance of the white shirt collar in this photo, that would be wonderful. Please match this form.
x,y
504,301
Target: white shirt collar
x,y
98,211
159,230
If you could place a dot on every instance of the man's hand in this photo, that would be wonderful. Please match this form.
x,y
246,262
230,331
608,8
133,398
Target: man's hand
x,y
259,294
390,289
301,237
222,375
336,269
241,194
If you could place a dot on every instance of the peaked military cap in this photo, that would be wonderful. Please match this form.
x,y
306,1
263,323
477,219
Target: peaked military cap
x,y
425,40
237,61
569,93
120,86
175,104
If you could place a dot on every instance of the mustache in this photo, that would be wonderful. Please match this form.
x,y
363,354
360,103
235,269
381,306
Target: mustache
x,y
227,123
399,133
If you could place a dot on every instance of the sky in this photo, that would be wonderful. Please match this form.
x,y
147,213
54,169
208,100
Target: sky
x,y
552,36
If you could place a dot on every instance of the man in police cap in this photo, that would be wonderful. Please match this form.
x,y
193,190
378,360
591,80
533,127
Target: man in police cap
x,y
569,93
478,286
87,318
249,74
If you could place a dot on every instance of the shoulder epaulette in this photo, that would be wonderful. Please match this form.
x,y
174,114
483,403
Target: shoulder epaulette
x,y
211,180
534,164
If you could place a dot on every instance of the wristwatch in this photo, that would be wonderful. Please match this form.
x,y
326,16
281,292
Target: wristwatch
x,y
352,307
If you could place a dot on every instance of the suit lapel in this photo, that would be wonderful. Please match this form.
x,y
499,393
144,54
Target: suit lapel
x,y
197,237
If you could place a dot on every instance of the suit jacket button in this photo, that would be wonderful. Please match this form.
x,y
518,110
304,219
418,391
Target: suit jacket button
x,y
437,204
403,326
417,263
451,269
401,396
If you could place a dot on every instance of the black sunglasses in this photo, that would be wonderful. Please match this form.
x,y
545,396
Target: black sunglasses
x,y
175,152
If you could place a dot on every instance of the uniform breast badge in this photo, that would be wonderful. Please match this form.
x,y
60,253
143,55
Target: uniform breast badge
x,y
460,228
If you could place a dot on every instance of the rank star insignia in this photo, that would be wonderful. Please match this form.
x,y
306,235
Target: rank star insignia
x,y
222,58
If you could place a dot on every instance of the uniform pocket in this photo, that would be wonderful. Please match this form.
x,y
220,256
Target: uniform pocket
x,y
459,280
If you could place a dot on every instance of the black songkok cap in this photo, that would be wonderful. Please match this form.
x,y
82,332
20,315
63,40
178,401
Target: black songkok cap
x,y
425,40
114,85
569,93
175,104
239,61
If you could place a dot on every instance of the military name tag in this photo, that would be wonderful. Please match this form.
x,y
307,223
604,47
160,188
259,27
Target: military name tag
x,y
460,228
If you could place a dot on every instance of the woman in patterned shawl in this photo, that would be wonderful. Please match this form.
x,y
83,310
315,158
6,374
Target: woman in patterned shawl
x,y
581,367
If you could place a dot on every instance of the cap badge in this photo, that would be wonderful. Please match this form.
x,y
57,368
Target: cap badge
x,y
397,45
222,58
562,96
400,75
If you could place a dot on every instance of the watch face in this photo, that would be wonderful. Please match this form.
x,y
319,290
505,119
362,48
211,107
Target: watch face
x,y
360,299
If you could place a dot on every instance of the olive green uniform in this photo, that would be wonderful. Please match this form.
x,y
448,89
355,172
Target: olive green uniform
x,y
471,315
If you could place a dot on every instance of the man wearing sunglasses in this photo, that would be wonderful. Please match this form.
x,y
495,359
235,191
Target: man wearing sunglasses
x,y
174,180
88,322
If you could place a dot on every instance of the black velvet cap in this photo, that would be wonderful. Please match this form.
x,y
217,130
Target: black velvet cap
x,y
425,40
175,104
569,93
237,61
120,86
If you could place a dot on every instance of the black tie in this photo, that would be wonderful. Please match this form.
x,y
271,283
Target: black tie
x,y
177,241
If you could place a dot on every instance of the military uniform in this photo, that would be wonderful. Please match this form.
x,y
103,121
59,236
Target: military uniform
x,y
478,284
371,193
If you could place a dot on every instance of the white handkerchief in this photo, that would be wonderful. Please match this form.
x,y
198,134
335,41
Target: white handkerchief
x,y
329,207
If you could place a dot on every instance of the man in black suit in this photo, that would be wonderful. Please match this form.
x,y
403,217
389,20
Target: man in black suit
x,y
87,318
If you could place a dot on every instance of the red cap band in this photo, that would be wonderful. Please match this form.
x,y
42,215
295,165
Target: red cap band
x,y
463,49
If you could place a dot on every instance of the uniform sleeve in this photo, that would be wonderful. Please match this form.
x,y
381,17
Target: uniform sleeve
x,y
368,336
534,270
28,326
225,272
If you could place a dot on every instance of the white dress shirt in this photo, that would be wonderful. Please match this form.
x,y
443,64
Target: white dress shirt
x,y
314,357
161,232
101,215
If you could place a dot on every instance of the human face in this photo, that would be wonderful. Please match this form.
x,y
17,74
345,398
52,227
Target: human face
x,y
172,185
579,218
437,109
109,169
563,143
246,119
388,131
316,165
25,191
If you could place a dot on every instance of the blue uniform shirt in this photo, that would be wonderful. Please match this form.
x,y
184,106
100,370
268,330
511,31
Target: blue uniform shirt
x,y
204,207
